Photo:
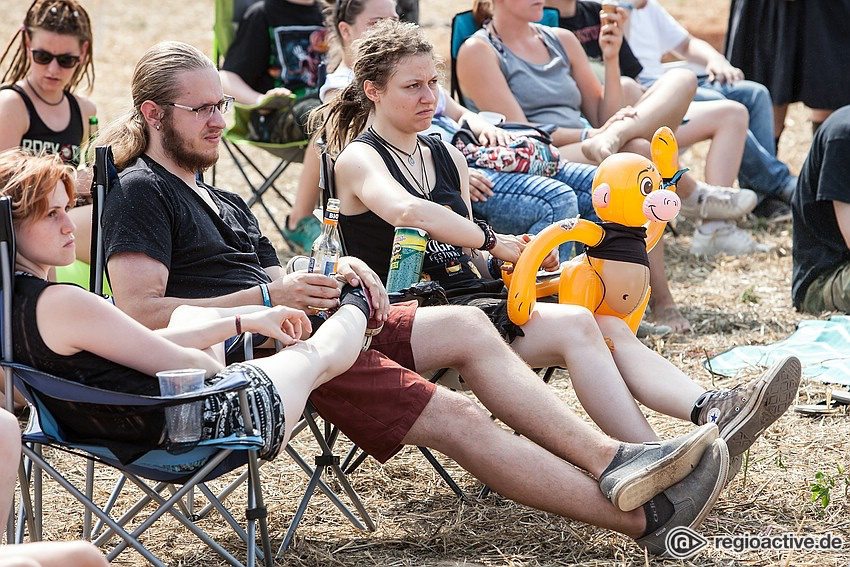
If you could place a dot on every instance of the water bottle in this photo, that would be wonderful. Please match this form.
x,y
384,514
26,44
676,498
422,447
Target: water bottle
x,y
326,248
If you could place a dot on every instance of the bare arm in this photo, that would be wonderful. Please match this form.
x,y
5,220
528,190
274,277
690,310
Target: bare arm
x,y
14,118
235,86
120,338
718,67
138,283
842,215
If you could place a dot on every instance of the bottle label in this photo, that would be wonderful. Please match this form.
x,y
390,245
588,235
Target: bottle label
x,y
331,217
325,265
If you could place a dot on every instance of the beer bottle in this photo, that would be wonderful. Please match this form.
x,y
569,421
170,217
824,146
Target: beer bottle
x,y
326,248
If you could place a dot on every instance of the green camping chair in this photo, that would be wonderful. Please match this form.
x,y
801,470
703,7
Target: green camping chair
x,y
463,26
228,14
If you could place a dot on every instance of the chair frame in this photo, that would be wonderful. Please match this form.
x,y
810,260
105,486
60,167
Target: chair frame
x,y
29,381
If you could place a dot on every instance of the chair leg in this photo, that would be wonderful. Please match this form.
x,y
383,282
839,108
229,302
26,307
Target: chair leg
x,y
90,496
442,472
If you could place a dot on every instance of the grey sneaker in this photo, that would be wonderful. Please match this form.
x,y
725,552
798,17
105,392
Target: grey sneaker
x,y
655,466
712,202
693,497
728,239
743,412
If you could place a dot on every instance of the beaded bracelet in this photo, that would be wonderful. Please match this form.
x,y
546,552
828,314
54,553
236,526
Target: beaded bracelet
x,y
489,235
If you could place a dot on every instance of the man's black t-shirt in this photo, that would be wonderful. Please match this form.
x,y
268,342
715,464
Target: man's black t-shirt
x,y
207,254
585,24
279,44
818,245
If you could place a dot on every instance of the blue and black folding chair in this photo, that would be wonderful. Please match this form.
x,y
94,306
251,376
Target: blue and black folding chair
x,y
154,471
464,25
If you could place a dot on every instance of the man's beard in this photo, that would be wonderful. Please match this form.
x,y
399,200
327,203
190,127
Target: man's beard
x,y
175,148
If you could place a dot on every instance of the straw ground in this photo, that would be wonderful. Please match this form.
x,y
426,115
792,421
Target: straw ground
x,y
420,522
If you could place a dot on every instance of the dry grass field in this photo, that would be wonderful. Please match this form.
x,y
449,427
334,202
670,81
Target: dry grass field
x,y
420,522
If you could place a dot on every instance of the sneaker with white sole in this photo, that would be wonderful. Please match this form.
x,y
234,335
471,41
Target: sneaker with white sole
x,y
713,202
744,412
728,239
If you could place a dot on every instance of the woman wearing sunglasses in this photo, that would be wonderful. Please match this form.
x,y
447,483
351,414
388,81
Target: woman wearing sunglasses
x,y
48,58
38,109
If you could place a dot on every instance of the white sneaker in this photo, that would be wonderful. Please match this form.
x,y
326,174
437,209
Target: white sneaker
x,y
728,239
718,203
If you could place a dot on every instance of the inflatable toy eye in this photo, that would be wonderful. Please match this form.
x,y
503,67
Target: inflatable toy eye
x,y
646,185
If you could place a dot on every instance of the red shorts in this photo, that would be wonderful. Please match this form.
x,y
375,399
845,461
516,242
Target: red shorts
x,y
379,399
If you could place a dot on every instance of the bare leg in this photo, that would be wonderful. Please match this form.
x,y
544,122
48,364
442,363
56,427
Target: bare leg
x,y
651,378
724,122
505,384
299,369
517,468
307,191
779,112
82,218
663,104
53,554
661,302
567,335
10,452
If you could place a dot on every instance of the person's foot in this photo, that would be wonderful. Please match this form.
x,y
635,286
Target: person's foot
x,y
728,239
692,498
718,203
773,209
600,146
640,471
301,238
669,316
744,412
646,329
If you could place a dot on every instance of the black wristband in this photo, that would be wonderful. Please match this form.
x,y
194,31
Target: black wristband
x,y
489,235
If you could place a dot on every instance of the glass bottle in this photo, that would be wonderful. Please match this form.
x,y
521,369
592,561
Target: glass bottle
x,y
326,248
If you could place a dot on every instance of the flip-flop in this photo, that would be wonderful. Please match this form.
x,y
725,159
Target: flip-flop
x,y
840,397
819,408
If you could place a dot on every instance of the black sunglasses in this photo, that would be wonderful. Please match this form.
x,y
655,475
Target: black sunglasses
x,y
65,60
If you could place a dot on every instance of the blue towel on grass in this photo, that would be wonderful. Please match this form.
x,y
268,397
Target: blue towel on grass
x,y
822,346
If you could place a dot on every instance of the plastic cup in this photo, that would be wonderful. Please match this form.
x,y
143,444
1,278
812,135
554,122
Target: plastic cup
x,y
493,118
609,7
183,422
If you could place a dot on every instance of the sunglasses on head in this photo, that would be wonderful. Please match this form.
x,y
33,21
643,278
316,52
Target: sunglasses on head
x,y
65,60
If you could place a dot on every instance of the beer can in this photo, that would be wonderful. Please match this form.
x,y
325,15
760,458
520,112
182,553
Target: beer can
x,y
407,256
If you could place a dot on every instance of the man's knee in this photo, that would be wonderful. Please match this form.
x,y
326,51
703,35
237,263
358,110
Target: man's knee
x,y
683,79
449,421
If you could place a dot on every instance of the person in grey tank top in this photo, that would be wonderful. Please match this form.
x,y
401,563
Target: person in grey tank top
x,y
505,67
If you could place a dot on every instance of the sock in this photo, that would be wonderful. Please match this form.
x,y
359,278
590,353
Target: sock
x,y
356,296
658,512
625,452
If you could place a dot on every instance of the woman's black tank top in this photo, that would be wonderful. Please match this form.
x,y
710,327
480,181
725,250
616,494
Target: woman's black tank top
x,y
39,138
370,238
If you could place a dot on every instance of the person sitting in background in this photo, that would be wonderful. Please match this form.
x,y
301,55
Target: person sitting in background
x,y
724,122
518,68
821,236
277,50
653,33
39,110
40,554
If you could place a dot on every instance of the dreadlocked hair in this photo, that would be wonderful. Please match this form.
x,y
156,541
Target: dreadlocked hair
x,y
66,17
377,56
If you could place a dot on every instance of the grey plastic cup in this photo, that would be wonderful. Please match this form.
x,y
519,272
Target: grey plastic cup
x,y
183,422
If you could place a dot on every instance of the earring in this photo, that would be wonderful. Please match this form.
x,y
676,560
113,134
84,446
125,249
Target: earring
x,y
157,126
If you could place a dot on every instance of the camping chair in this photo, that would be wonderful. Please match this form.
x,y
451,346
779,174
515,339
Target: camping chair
x,y
112,410
463,26
228,14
